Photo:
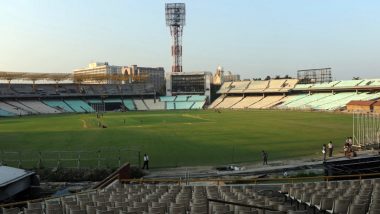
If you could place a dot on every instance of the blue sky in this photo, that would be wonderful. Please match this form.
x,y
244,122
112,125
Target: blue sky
x,y
249,37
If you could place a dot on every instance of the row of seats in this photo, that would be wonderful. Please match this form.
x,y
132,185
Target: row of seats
x,y
257,86
252,102
183,98
340,84
325,101
75,89
341,197
163,199
26,107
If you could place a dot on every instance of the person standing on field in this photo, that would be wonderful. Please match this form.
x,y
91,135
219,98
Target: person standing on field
x,y
265,157
330,147
324,152
146,162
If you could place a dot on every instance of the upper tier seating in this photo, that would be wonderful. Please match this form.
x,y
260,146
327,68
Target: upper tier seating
x,y
197,98
79,106
49,89
126,89
39,107
113,100
239,87
181,98
257,86
303,86
138,88
267,102
225,87
167,98
276,85
58,104
247,101
140,105
326,84
229,101
289,84
349,83
6,91
23,88
129,104
154,104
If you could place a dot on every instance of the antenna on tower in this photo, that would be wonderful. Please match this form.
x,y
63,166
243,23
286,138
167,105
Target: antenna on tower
x,y
175,19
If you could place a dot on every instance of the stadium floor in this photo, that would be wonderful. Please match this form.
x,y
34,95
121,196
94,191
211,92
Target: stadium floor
x,y
172,138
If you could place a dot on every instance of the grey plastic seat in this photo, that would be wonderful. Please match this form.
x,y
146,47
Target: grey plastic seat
x,y
357,209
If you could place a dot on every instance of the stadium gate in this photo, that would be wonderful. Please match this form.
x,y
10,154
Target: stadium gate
x,y
366,129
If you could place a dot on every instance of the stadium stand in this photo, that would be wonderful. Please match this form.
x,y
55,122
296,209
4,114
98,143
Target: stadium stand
x,y
181,98
226,86
275,85
247,101
229,102
183,105
23,88
198,105
268,102
46,89
6,113
154,104
21,106
79,106
303,86
140,105
257,86
303,102
348,196
39,107
170,105
326,85
289,84
197,98
59,105
167,98
239,87
339,197
129,104
348,83
12,109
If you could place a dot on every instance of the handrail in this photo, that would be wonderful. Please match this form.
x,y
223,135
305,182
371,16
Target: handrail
x,y
252,180
238,204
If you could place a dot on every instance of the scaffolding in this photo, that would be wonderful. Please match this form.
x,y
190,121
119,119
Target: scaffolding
x,y
311,76
366,129
175,19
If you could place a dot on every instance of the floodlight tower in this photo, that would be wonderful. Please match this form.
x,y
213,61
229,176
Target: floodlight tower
x,y
175,19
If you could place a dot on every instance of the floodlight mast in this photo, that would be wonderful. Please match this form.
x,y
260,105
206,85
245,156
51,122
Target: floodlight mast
x,y
175,19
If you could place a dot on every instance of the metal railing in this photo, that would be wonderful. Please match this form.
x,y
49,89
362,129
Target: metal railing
x,y
221,181
102,158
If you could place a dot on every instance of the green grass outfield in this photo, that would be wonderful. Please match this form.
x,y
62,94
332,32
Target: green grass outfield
x,y
180,138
